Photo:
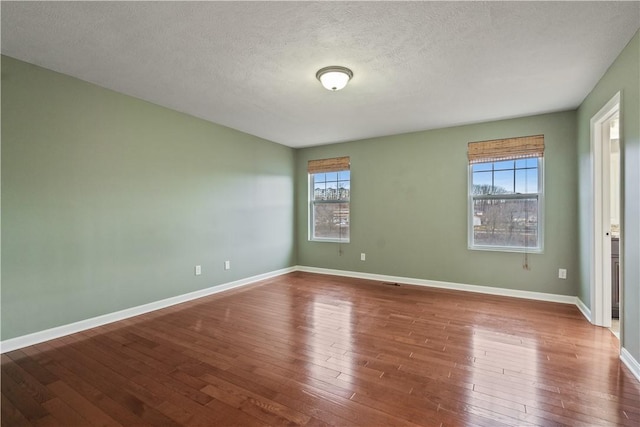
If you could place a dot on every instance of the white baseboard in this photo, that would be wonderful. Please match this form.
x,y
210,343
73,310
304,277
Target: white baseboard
x,y
630,362
586,312
82,325
540,296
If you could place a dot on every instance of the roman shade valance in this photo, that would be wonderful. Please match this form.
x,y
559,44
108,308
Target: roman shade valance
x,y
334,164
506,149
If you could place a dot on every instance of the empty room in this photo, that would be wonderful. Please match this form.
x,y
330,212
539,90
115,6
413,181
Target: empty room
x,y
180,244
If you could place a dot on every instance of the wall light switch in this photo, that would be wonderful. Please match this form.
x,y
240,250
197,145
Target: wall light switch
x,y
198,270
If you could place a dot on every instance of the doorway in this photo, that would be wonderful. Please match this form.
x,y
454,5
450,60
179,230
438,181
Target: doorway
x,y
606,281
614,213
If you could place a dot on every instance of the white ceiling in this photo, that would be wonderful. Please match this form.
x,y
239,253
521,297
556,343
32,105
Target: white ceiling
x,y
251,65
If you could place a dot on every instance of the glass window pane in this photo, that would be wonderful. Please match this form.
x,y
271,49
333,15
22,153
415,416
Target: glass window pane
x,y
331,221
332,176
319,191
344,192
507,164
482,183
319,177
344,175
503,181
331,192
527,181
480,167
506,223
521,163
521,181
532,181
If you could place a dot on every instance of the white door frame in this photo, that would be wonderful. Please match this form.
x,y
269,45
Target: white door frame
x,y
601,227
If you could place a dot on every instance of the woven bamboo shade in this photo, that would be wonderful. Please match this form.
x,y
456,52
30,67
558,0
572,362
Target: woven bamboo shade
x,y
329,165
506,149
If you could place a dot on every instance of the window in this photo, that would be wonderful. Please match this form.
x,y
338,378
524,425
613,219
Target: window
x,y
506,194
329,196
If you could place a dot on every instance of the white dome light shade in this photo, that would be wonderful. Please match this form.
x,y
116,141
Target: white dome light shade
x,y
334,77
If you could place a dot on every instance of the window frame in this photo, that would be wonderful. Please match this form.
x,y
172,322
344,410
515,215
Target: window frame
x,y
539,249
311,209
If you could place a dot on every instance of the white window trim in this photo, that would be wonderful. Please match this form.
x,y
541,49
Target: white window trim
x,y
516,249
310,222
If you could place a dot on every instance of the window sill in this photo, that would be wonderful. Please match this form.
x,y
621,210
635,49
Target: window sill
x,y
329,240
506,249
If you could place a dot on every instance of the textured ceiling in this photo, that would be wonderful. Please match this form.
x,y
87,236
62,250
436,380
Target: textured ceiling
x,y
251,65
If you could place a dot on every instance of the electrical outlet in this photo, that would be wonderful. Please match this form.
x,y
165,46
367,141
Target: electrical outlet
x,y
562,273
363,256
198,270
227,265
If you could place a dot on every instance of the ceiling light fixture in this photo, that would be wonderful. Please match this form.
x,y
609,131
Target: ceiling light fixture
x,y
334,77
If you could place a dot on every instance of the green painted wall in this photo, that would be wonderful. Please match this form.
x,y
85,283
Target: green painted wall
x,y
624,76
108,202
409,208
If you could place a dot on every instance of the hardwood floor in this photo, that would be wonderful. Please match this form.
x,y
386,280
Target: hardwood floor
x,y
306,349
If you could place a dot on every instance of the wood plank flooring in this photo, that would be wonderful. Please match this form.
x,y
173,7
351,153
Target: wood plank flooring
x,y
307,349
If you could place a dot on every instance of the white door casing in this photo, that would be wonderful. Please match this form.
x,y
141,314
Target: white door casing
x,y
600,280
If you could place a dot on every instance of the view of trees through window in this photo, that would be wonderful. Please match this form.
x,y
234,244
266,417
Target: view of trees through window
x,y
505,204
330,205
